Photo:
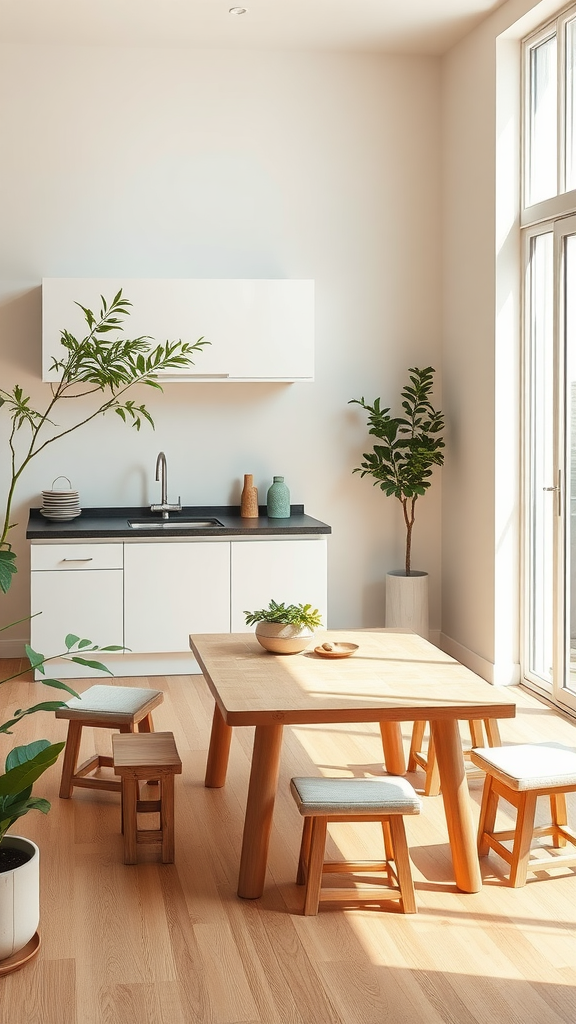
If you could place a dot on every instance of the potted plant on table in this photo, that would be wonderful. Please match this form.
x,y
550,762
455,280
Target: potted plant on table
x,y
401,464
284,629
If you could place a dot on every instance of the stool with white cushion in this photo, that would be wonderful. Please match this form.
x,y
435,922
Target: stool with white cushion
x,y
520,774
125,708
321,800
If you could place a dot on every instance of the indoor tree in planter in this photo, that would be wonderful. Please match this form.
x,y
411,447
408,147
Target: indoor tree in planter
x,y
284,629
407,449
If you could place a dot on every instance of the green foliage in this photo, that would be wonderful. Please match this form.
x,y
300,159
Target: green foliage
x,y
103,364
25,764
292,614
411,445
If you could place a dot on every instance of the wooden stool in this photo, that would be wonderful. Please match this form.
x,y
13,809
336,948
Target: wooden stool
x,y
428,762
520,774
321,800
102,707
136,757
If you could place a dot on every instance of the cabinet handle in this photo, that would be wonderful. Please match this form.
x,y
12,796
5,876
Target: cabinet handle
x,y
78,559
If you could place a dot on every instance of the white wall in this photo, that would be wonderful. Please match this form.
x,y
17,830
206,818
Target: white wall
x,y
176,163
481,353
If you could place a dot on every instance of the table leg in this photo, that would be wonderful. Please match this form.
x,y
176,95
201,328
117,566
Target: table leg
x,y
394,758
218,751
259,809
454,786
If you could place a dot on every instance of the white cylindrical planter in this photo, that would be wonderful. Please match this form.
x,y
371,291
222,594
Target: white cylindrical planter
x,y
19,899
407,601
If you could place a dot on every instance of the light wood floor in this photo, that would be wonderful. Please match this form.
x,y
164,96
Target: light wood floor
x,y
172,944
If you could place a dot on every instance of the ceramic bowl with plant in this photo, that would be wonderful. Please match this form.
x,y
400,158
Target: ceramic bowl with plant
x,y
284,629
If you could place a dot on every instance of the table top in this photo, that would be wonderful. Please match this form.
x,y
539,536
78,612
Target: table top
x,y
395,675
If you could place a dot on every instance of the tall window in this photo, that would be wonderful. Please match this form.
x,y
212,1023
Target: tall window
x,y
549,230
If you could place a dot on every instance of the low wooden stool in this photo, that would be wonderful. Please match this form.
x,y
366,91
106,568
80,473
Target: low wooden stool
x,y
125,708
428,762
520,774
321,800
136,758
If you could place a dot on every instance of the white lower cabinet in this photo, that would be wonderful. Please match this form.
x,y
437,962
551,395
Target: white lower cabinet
x,y
287,571
172,590
76,588
149,596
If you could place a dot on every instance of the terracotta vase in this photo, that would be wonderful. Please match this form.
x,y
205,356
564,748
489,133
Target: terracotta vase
x,y
249,498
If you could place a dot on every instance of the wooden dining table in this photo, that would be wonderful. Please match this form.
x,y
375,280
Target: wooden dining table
x,y
394,676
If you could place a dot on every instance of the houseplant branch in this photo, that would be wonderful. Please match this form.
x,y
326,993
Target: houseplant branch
x,y
95,364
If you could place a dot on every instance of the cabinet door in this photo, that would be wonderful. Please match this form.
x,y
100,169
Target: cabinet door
x,y
289,571
87,602
172,590
257,329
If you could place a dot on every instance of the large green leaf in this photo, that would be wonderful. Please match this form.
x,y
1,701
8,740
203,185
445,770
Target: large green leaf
x,y
26,764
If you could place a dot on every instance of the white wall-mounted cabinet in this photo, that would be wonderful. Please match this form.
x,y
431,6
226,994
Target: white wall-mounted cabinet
x,y
259,330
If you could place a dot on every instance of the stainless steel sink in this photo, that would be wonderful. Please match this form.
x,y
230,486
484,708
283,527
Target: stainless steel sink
x,y
173,524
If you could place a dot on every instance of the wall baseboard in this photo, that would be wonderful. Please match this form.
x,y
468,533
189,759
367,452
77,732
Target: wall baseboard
x,y
498,675
13,648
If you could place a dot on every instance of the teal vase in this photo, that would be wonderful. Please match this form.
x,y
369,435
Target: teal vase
x,y
278,499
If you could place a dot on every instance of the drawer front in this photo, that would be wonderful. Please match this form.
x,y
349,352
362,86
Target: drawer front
x,y
76,556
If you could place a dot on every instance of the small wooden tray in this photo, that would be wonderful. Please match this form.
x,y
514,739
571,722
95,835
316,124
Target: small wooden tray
x,y
17,960
341,650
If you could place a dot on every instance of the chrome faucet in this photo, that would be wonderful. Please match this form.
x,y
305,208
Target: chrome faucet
x,y
162,474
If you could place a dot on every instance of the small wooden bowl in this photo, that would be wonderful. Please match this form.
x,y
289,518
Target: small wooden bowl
x,y
340,650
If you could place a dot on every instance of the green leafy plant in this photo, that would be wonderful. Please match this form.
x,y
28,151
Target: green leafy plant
x,y
410,446
25,764
293,614
102,364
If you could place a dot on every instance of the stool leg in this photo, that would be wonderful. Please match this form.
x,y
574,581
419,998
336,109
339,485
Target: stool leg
x,y
476,733
432,784
522,839
304,851
129,800
492,732
388,841
402,862
167,817
559,817
487,816
146,724
415,744
315,865
70,759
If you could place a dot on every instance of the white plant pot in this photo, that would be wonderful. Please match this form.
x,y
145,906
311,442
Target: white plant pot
x,y
282,638
19,899
407,601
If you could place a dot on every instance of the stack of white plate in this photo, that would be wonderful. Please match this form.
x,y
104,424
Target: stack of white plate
x,y
60,505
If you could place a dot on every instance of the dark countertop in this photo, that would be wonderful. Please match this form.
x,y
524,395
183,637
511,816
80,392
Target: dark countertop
x,y
113,523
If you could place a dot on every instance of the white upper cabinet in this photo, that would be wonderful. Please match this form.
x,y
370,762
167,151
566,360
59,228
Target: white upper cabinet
x,y
259,330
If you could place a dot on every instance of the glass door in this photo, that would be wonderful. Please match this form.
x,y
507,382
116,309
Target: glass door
x,y
550,461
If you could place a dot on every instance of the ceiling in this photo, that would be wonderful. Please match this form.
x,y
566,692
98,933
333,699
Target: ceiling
x,y
393,26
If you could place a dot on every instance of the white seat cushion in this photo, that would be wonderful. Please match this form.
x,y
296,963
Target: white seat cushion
x,y
527,766
112,699
328,796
